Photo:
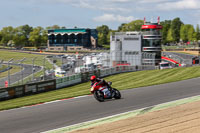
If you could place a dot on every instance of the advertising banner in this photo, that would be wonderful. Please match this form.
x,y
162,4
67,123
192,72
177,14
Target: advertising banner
x,y
19,90
45,86
11,92
3,94
30,88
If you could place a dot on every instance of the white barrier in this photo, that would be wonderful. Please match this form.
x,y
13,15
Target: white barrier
x,y
66,81
74,79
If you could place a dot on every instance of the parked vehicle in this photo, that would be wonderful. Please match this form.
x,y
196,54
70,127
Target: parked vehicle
x,y
101,92
164,65
60,73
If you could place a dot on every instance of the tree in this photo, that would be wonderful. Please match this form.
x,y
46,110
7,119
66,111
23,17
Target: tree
x,y
166,26
121,26
183,33
21,37
191,33
103,32
53,27
44,37
36,36
197,32
26,30
7,34
132,26
19,40
176,26
169,36
0,36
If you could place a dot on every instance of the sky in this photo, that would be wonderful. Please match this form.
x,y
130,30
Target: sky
x,y
93,13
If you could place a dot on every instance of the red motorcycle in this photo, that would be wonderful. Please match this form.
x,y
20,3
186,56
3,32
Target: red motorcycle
x,y
102,92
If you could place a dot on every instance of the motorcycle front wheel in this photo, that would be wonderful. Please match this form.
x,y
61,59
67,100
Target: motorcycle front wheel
x,y
117,94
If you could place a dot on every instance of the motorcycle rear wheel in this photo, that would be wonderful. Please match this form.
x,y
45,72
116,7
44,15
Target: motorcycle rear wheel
x,y
99,96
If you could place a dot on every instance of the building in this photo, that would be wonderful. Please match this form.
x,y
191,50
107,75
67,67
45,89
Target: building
x,y
137,48
151,40
72,39
125,46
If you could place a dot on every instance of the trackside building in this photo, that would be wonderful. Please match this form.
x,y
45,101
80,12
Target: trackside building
x,y
137,48
72,39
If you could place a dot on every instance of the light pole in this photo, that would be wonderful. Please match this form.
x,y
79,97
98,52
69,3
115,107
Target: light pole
x,y
33,68
9,71
44,67
21,64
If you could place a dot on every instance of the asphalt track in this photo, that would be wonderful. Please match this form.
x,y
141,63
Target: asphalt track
x,y
53,115
27,70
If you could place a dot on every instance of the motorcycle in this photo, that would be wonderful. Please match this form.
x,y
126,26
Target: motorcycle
x,y
102,92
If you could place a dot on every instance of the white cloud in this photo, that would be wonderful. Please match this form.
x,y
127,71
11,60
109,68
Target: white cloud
x,y
115,9
154,1
180,5
113,18
121,1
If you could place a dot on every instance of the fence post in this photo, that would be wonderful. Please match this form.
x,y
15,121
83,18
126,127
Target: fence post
x,y
33,68
44,67
21,64
9,71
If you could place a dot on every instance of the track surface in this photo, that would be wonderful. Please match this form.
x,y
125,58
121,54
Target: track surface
x,y
27,70
58,114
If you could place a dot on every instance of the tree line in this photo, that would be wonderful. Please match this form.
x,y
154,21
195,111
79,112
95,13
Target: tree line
x,y
25,36
173,31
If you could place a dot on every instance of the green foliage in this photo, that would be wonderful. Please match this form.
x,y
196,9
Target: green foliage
x,y
176,26
183,33
132,26
169,36
103,32
36,36
166,26
53,27
191,33
187,33
197,36
7,34
25,35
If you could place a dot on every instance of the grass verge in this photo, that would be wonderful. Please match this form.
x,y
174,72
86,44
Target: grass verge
x,y
12,71
120,81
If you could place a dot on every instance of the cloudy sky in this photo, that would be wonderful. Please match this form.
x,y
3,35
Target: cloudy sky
x,y
93,13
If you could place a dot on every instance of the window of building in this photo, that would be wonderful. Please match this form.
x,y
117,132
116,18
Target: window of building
x,y
151,43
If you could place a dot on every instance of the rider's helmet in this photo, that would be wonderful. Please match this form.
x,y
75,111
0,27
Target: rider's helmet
x,y
93,78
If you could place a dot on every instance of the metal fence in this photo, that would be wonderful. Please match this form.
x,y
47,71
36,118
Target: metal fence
x,y
30,70
184,59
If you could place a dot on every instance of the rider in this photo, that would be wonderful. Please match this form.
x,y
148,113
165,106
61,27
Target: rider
x,y
102,82
94,79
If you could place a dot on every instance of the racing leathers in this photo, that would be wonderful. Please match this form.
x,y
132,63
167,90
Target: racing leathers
x,y
106,89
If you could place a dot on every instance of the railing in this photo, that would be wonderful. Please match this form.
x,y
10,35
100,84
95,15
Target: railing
x,y
39,87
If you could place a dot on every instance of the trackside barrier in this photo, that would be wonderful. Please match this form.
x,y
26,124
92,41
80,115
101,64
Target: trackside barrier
x,y
67,81
28,89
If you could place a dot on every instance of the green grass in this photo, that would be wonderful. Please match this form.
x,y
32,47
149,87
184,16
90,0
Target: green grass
x,y
17,56
12,71
2,67
120,81
7,55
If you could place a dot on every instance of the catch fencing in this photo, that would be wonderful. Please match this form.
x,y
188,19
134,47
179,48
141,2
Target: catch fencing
x,y
42,68
43,86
